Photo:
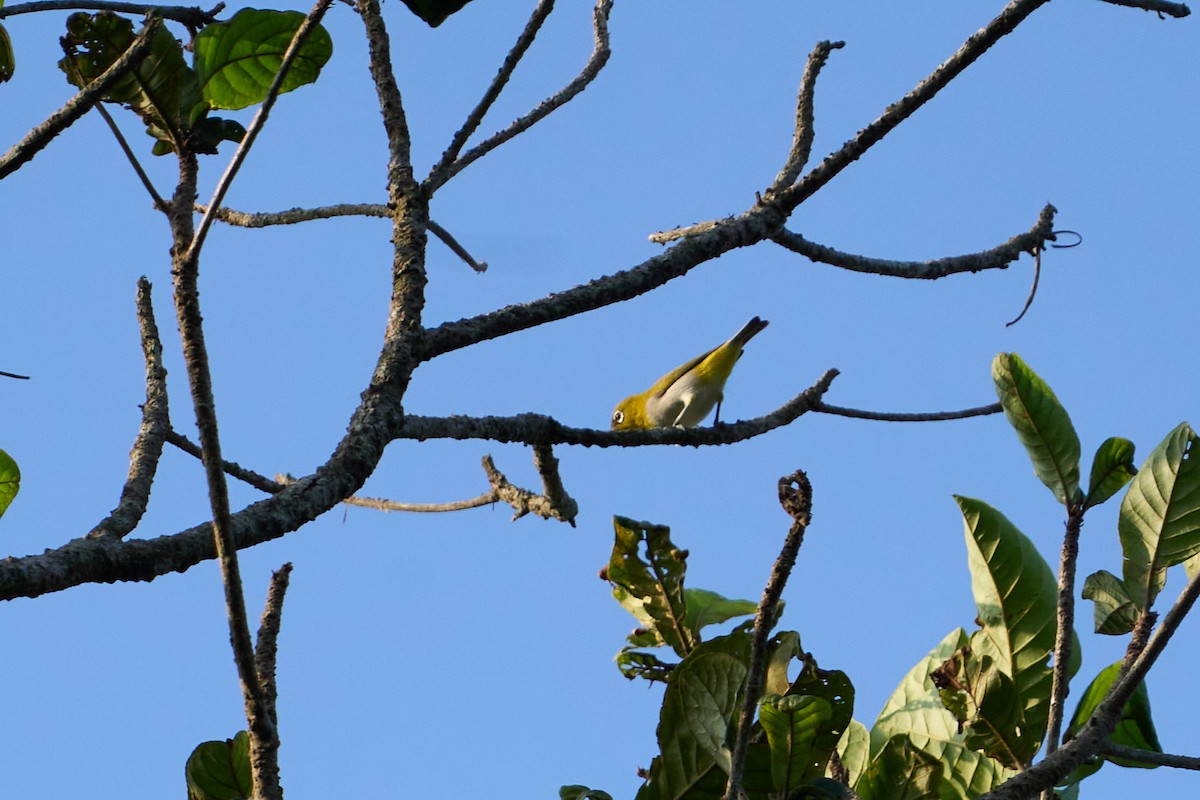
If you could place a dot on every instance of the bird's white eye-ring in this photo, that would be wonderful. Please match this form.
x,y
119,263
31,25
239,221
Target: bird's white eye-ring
x,y
618,417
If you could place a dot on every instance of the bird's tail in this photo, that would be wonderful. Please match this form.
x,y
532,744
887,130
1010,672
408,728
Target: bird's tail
x,y
749,331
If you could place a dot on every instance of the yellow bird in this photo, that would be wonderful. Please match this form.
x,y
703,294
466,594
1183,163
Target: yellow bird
x,y
684,396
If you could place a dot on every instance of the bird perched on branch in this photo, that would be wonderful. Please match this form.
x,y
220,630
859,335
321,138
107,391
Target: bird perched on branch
x,y
684,396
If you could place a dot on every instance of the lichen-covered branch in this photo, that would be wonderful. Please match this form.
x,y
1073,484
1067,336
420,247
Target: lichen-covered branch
x,y
192,17
998,257
897,416
802,136
156,422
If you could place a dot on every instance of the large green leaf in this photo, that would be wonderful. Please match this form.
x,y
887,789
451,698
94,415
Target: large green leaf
x,y
901,771
236,60
1041,423
1112,468
162,89
8,62
435,12
1016,600
854,749
10,481
1114,612
792,723
984,701
651,589
697,709
1135,728
1160,516
834,687
709,608
915,711
220,770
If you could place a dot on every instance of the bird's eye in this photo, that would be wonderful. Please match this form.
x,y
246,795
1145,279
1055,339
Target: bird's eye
x,y
618,417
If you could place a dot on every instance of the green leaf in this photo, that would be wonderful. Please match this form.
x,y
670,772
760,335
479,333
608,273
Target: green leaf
x,y
220,770
435,12
792,724
10,481
8,62
854,750
915,712
984,701
1114,611
1136,727
1159,523
651,589
833,687
901,771
162,89
697,709
709,608
236,60
1041,423
582,793
1112,468
634,664
782,648
1016,598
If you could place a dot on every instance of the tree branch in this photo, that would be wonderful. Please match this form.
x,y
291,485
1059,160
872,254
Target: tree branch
x,y
230,468
1178,10
260,119
156,421
596,62
1150,757
191,16
998,257
538,429
887,416
802,136
441,171
795,495
265,759
37,139
1065,628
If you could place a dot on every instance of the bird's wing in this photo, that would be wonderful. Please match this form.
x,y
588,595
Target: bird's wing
x,y
667,381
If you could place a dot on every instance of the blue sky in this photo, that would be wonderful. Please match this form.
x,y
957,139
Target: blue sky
x,y
466,655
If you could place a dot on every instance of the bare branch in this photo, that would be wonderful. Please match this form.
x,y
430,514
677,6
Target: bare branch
x,y
246,219
191,16
1150,757
159,203
1037,276
541,429
795,495
230,468
390,103
596,62
887,416
1178,10
441,171
24,150
456,248
802,136
266,770
998,257
562,505
15,375
156,421
1065,625
260,118
976,45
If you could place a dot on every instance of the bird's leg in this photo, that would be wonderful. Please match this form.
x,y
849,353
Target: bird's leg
x,y
717,418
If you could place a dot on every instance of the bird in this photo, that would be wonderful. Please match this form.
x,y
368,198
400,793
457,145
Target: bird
x,y
683,397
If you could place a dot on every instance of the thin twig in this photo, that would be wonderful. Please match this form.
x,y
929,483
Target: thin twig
x,y
159,203
1037,275
263,219
795,495
190,16
260,118
77,106
458,249
156,422
888,416
1065,628
998,257
802,135
230,468
1161,6
596,62
441,171
15,375
1150,757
